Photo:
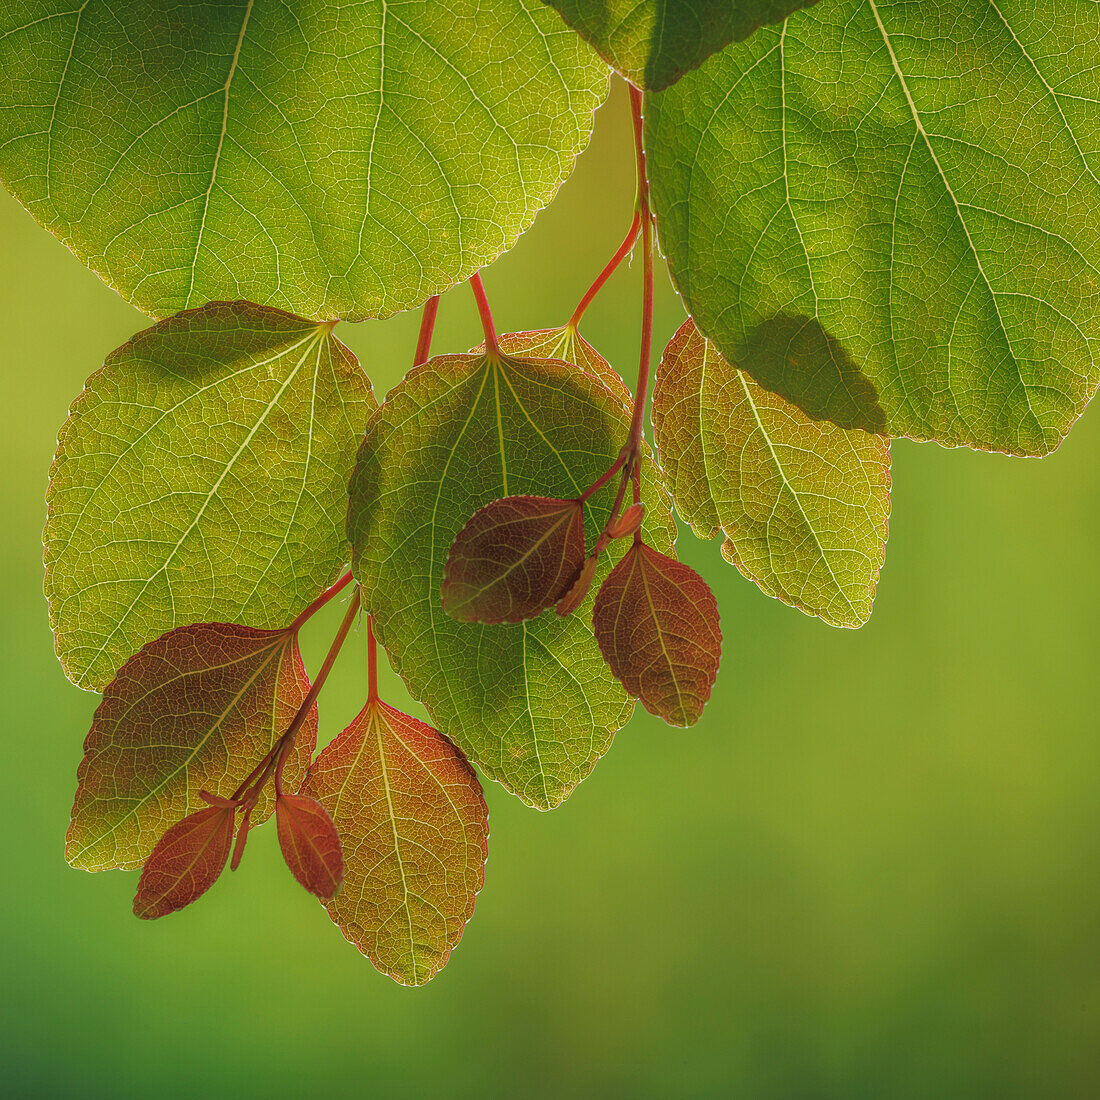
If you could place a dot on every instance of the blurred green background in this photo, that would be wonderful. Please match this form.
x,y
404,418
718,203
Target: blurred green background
x,y
870,870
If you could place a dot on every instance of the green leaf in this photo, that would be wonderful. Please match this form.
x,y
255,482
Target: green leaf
x,y
415,830
201,476
532,703
337,160
195,710
904,190
654,42
804,505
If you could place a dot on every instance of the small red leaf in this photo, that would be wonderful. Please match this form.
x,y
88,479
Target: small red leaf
x,y
311,844
657,625
185,863
514,558
629,522
573,598
242,839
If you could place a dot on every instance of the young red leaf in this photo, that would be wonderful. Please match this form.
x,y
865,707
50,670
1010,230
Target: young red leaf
x,y
415,829
657,625
185,863
514,558
628,523
310,844
198,708
576,594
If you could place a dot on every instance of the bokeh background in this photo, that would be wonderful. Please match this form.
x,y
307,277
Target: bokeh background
x,y
870,871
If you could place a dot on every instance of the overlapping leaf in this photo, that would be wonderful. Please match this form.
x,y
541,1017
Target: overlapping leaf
x,y
201,476
654,42
195,710
310,844
414,827
186,862
904,199
532,704
657,624
337,160
803,504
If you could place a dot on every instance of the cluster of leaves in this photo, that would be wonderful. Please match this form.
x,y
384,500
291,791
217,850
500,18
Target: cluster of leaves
x,y
882,216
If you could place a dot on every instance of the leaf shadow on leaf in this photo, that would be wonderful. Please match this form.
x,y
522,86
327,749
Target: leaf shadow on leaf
x,y
795,357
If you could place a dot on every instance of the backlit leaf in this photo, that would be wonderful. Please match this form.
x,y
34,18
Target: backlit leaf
x,y
414,827
337,160
197,709
201,476
185,863
657,624
654,42
803,504
904,199
532,703
310,844
513,559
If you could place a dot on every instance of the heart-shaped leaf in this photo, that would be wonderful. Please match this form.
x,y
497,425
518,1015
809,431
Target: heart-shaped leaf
x,y
185,863
657,624
310,844
803,504
513,559
415,830
654,42
337,160
202,475
532,703
904,199
195,710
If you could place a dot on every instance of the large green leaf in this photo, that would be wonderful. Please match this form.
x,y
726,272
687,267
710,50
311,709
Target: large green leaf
x,y
337,160
532,703
654,42
201,476
888,211
803,504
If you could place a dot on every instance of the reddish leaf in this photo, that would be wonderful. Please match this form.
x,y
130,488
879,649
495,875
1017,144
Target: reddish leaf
x,y
628,523
657,625
415,827
514,558
242,840
198,708
310,844
185,863
576,594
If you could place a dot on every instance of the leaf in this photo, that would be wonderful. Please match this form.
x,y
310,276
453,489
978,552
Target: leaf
x,y
310,844
197,709
337,160
654,42
185,863
513,559
657,624
910,190
415,831
532,703
804,505
201,476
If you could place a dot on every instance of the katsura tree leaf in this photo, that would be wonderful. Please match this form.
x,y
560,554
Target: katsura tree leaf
x,y
654,42
201,476
513,559
195,710
337,160
532,703
415,829
310,844
185,863
657,624
803,505
904,198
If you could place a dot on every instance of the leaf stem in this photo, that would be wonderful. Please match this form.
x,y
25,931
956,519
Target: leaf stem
x,y
604,478
427,327
372,662
287,740
491,347
621,254
646,215
320,602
